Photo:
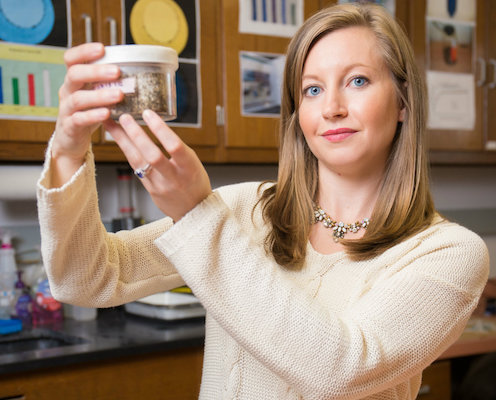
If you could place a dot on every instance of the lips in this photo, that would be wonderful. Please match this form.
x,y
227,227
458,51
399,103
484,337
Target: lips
x,y
338,135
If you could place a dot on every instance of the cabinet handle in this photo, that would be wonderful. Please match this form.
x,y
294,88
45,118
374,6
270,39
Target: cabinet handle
x,y
88,36
18,397
492,85
113,30
482,79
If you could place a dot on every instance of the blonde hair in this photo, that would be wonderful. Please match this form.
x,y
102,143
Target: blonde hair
x,y
404,206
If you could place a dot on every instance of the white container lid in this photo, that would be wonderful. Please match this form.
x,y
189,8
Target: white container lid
x,y
133,53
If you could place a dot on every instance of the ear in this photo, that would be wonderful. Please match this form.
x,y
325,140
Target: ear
x,y
402,113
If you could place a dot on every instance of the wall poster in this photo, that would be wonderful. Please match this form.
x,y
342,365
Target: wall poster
x,y
174,24
261,76
33,37
270,17
450,64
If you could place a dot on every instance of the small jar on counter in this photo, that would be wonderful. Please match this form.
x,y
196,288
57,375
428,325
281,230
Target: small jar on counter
x,y
148,80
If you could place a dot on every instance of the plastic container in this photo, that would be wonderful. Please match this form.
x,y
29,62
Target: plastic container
x,y
24,303
10,326
148,80
46,310
8,278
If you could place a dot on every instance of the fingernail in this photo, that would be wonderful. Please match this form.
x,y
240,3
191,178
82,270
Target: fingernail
x,y
147,114
102,113
111,70
124,119
96,48
115,94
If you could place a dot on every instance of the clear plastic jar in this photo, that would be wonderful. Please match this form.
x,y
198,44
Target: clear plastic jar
x,y
148,80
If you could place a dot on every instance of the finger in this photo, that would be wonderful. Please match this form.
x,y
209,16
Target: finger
x,y
85,53
87,99
167,137
80,75
90,117
121,137
151,153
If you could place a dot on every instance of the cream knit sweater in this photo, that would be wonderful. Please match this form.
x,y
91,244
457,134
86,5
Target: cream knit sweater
x,y
335,330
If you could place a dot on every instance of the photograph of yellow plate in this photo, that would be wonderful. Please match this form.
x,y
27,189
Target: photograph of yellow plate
x,y
159,22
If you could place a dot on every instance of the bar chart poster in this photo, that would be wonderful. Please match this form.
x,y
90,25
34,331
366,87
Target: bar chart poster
x,y
270,17
30,77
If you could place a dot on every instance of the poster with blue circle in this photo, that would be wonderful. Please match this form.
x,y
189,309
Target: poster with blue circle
x,y
34,22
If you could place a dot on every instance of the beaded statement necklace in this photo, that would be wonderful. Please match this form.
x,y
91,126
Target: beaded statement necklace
x,y
340,229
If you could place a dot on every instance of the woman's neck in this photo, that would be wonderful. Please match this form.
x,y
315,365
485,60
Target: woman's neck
x,y
348,198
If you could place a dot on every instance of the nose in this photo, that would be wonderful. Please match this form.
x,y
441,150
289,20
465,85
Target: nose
x,y
334,105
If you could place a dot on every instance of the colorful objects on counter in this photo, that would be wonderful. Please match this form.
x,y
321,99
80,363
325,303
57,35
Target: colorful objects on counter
x,y
10,326
46,310
8,277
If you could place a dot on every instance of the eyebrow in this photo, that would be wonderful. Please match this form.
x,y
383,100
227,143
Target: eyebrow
x,y
347,68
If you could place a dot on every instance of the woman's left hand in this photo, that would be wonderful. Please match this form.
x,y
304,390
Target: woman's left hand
x,y
176,184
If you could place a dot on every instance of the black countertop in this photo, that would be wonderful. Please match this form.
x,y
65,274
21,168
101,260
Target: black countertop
x,y
115,333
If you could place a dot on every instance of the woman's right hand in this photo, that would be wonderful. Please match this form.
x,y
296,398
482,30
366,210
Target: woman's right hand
x,y
81,109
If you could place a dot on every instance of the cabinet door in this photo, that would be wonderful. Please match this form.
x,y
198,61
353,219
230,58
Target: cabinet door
x,y
451,139
203,134
245,126
436,382
24,140
160,376
109,24
84,21
490,88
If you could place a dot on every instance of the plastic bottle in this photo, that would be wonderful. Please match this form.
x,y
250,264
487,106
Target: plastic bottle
x,y
46,310
24,304
8,277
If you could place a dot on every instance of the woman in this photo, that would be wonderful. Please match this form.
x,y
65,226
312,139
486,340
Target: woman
x,y
295,309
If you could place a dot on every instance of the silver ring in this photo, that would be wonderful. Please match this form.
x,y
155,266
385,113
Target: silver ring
x,y
141,172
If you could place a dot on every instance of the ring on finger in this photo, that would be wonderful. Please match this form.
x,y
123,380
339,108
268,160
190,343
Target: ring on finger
x,y
141,172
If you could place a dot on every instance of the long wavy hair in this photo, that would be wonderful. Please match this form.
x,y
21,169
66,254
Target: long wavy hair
x,y
404,205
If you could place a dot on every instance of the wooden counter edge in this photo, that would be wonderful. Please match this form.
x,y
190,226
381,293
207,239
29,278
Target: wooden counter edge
x,y
472,344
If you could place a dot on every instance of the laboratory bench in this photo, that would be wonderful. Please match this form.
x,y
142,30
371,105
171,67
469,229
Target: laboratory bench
x,y
115,356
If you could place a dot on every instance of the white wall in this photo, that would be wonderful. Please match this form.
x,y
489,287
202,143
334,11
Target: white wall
x,y
453,188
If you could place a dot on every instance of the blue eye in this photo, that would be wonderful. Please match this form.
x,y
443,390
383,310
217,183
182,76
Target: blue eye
x,y
359,81
313,91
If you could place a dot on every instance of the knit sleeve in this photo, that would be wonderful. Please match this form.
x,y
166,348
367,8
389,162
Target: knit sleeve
x,y
399,326
85,264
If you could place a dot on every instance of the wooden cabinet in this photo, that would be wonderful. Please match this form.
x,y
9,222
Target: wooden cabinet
x,y
204,135
436,382
167,375
488,9
101,20
247,136
455,146
93,20
222,134
96,20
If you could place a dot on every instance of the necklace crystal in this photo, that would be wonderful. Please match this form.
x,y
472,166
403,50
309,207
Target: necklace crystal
x,y
339,229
